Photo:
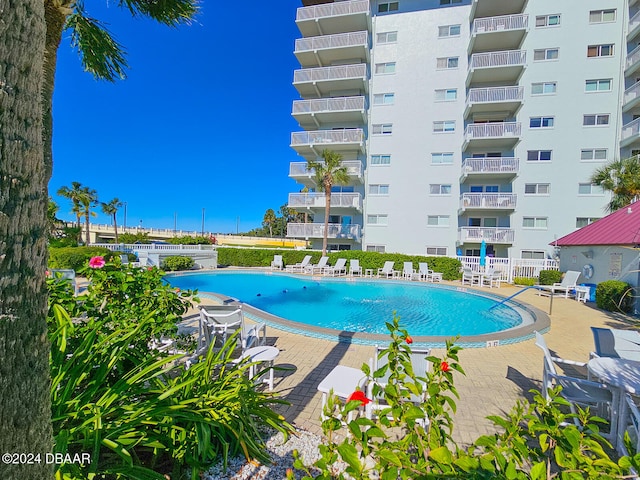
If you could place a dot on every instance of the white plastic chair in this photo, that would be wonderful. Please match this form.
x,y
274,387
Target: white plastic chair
x,y
219,322
491,277
567,286
387,270
338,269
469,276
408,271
425,273
318,267
354,267
299,267
277,264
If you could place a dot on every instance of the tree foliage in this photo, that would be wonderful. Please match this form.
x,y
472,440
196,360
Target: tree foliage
x,y
622,178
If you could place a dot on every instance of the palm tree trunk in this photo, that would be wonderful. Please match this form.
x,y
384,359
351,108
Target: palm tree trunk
x,y
327,210
25,405
86,226
115,225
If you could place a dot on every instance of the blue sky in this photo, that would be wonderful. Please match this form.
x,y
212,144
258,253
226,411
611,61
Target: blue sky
x,y
203,119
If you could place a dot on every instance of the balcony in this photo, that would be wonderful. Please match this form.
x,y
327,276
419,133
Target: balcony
x,y
316,200
314,113
330,49
497,67
489,235
633,62
298,171
495,33
493,8
494,99
634,26
337,17
316,230
631,97
488,201
495,134
630,133
310,144
319,82
494,167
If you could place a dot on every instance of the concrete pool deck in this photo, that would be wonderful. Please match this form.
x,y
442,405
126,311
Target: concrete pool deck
x,y
496,378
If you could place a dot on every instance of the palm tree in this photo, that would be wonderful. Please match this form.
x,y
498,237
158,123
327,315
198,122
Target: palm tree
x,y
100,53
329,172
622,178
74,193
269,220
88,199
111,208
25,380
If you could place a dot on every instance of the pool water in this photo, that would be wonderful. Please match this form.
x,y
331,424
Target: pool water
x,y
360,306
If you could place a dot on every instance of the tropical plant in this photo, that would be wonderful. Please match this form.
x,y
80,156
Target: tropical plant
x,y
328,172
25,380
73,193
139,237
269,220
178,262
53,222
622,178
88,199
111,209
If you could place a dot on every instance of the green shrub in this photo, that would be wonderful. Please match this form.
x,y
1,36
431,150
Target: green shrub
x,y
549,277
525,281
189,240
615,296
129,238
66,237
76,257
178,262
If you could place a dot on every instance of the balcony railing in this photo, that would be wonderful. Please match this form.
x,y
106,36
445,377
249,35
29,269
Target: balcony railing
x,y
508,58
631,93
340,72
332,9
299,169
488,200
496,24
317,200
316,230
634,22
495,94
493,130
489,235
339,104
631,129
633,57
347,135
332,41
490,165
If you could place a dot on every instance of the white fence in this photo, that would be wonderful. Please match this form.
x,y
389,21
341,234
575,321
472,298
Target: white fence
x,y
513,267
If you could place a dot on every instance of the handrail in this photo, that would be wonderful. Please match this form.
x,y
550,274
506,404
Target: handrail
x,y
535,287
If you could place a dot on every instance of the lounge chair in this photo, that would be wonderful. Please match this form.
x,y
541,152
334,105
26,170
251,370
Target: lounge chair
x,y
491,277
318,267
408,271
567,286
616,343
354,267
426,274
387,270
277,264
338,269
299,267
219,322
469,276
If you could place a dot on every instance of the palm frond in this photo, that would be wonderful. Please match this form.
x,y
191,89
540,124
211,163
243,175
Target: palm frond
x,y
168,12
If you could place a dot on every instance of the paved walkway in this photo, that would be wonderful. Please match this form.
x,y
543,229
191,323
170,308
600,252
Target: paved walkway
x,y
495,377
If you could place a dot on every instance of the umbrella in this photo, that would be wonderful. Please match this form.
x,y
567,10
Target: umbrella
x,y
483,253
459,252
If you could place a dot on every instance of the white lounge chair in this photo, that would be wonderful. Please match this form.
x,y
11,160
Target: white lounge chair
x,y
219,322
354,267
277,263
567,286
318,267
338,269
491,277
469,276
387,270
299,267
425,273
408,271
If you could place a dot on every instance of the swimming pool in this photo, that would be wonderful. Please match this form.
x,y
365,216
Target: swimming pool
x,y
364,305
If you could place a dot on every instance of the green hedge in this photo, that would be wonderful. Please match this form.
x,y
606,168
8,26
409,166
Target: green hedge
x,y
615,296
256,257
77,257
525,281
178,262
549,277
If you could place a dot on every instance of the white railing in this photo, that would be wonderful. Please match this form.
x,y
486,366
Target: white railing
x,y
316,230
495,94
634,22
340,104
513,267
338,72
317,200
631,129
488,234
506,58
108,228
633,57
299,169
332,9
493,130
338,40
496,24
490,165
122,247
488,200
347,135
631,93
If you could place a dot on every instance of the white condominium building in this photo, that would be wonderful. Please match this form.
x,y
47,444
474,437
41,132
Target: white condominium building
x,y
462,120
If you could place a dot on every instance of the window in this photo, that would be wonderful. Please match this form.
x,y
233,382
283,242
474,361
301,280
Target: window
x,y
386,37
601,85
387,7
538,155
545,54
438,220
535,222
380,159
449,2
595,119
600,50
444,126
547,20
533,254
385,68
593,154
541,122
442,158
378,189
602,16
376,248
437,251
446,94
377,219
537,188
383,99
544,88
439,189
589,189
382,128
584,221
449,31
447,62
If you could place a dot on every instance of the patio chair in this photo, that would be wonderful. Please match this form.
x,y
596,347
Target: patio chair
x,y
566,286
318,267
63,274
491,277
469,276
408,271
387,270
616,343
576,391
354,267
299,267
219,322
631,425
338,269
426,274
277,264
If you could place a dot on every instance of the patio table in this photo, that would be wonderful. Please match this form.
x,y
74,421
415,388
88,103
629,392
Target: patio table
x,y
343,381
262,354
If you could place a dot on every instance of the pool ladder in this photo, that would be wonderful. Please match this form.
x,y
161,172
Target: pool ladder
x,y
536,287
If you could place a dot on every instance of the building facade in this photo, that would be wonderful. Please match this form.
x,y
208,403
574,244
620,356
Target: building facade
x,y
462,120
